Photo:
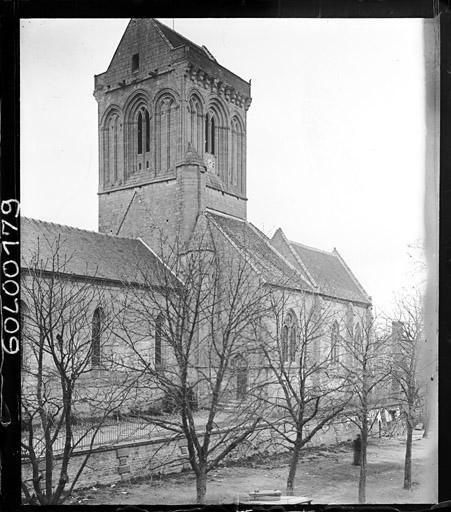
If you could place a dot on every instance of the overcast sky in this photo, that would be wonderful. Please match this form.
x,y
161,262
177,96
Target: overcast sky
x,y
335,134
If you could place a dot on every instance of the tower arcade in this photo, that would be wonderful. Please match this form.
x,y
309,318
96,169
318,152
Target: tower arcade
x,y
172,134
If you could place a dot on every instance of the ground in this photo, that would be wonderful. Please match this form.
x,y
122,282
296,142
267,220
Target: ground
x,y
324,475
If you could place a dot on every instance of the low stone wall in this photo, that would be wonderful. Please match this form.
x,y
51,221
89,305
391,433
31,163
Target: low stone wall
x,y
166,454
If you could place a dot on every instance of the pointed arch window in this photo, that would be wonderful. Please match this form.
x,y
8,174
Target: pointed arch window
x,y
237,170
195,125
210,133
216,138
165,134
97,326
137,143
110,143
147,128
140,133
289,339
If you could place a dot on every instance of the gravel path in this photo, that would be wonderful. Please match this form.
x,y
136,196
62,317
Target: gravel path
x,y
326,476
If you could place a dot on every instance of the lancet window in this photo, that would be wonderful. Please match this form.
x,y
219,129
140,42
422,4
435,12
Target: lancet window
x,y
195,123
289,339
111,139
216,137
166,134
238,155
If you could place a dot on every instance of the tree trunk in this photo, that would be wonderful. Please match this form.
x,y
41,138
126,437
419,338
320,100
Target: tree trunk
x,y
408,458
363,462
294,464
201,485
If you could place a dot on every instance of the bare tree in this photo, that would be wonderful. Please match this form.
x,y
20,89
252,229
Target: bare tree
x,y
367,368
66,325
201,316
301,350
407,336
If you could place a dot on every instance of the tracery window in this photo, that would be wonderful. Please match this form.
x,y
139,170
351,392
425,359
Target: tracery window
x,y
97,321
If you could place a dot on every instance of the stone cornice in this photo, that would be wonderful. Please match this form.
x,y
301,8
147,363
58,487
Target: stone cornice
x,y
207,81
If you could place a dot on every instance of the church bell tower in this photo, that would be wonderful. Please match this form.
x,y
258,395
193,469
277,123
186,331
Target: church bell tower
x,y
172,134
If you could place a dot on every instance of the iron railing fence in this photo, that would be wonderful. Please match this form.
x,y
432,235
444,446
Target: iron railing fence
x,y
87,435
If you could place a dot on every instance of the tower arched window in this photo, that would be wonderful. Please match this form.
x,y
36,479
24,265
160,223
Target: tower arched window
x,y
142,144
210,134
216,130
238,155
110,144
165,134
147,128
140,133
195,124
97,321
335,343
158,341
137,141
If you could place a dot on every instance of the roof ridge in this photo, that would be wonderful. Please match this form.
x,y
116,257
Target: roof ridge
x,y
223,214
267,240
297,257
235,245
200,48
111,235
156,23
151,251
351,274
330,253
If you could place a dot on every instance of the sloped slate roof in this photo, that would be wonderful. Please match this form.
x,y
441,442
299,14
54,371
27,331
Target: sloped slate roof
x,y
177,39
267,261
330,273
88,253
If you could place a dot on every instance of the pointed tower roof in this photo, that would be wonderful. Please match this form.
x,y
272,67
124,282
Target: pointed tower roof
x,y
160,49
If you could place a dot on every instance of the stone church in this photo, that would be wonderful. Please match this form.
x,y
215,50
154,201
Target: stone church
x,y
172,153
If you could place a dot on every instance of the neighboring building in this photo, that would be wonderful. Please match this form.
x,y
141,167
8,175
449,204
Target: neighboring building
x,y
172,135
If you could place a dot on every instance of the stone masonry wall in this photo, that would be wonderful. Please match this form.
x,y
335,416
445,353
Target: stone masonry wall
x,y
165,455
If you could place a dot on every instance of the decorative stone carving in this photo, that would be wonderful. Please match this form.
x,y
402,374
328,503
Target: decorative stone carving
x,y
216,86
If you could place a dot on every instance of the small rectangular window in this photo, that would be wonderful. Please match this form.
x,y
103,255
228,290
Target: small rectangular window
x,y
135,62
